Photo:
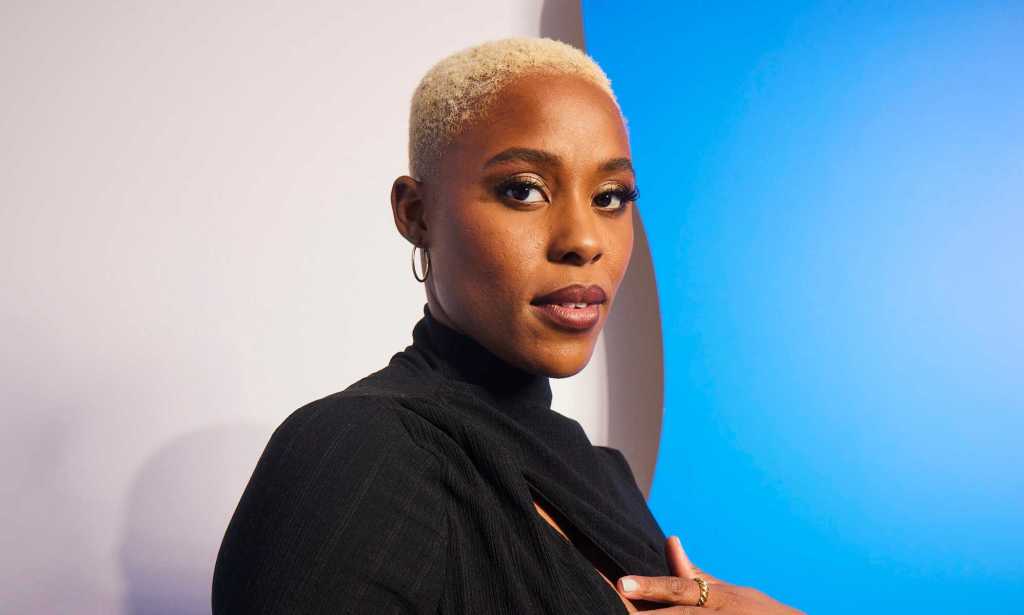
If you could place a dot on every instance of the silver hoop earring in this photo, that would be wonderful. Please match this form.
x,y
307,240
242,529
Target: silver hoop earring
x,y
424,263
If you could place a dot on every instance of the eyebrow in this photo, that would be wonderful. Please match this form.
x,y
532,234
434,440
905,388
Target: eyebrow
x,y
542,157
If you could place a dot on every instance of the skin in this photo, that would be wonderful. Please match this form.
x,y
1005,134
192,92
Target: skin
x,y
494,247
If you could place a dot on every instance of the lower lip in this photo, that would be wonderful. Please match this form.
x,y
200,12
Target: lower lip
x,y
576,319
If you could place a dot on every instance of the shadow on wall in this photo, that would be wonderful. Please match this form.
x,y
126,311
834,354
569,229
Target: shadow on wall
x,y
177,510
632,332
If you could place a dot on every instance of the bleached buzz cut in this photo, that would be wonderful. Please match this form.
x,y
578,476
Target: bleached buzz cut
x,y
460,88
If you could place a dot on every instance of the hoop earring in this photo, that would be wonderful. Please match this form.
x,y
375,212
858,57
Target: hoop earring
x,y
424,263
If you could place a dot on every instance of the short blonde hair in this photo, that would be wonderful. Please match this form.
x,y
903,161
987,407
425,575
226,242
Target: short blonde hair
x,y
460,88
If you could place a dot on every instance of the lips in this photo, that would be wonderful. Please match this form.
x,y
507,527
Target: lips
x,y
572,308
576,293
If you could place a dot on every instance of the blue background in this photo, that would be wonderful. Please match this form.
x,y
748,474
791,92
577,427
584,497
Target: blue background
x,y
834,199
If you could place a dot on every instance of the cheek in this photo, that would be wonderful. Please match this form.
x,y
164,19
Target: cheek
x,y
626,249
496,253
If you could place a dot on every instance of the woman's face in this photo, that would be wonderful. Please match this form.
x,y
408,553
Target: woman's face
x,y
532,199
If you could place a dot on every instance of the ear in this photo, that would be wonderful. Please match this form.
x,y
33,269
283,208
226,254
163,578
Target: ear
x,y
407,207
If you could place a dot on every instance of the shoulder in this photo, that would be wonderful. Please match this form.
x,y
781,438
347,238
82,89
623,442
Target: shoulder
x,y
332,448
614,458
338,476
620,473
350,422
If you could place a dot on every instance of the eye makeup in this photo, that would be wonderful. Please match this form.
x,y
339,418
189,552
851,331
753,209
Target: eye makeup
x,y
626,196
520,188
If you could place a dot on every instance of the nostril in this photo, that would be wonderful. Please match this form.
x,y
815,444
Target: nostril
x,y
579,259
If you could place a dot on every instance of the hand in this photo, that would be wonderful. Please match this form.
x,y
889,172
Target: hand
x,y
682,590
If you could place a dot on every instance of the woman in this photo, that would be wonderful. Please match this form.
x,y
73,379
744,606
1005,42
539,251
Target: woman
x,y
444,482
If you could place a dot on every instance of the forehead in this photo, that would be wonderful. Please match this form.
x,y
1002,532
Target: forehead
x,y
565,115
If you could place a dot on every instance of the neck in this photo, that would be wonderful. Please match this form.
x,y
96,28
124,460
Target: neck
x,y
460,357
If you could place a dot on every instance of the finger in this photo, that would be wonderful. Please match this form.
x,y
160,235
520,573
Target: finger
x,y
678,562
707,576
674,590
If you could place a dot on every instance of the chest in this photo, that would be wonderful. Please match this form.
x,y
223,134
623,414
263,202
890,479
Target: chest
x,y
608,571
630,606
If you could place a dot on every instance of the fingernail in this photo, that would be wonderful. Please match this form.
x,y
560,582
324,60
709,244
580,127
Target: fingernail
x,y
629,585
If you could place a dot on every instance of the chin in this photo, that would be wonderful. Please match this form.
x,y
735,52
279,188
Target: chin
x,y
568,363
563,373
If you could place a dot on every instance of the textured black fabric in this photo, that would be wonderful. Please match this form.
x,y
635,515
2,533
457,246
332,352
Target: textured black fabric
x,y
412,491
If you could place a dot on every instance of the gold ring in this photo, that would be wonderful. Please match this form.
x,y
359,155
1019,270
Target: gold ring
x,y
703,591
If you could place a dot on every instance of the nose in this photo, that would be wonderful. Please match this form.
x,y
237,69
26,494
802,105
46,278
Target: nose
x,y
575,233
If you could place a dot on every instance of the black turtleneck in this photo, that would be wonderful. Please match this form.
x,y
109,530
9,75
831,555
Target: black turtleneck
x,y
462,359
411,491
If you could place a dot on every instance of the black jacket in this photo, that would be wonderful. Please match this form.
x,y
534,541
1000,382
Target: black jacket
x,y
412,491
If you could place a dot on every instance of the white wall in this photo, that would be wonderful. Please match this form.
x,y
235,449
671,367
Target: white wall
x,y
196,239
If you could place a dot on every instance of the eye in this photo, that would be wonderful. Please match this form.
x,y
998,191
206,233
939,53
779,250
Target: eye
x,y
617,198
522,190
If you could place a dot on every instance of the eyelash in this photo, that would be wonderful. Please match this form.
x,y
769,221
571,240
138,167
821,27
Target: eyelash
x,y
625,195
